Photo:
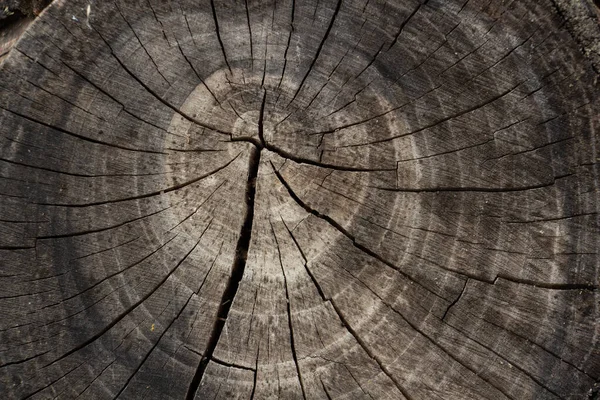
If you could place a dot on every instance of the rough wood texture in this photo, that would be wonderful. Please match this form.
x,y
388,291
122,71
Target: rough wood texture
x,y
299,200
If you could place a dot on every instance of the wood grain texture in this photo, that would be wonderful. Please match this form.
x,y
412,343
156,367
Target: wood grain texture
x,y
346,199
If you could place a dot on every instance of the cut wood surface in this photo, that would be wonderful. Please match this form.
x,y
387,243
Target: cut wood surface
x,y
348,199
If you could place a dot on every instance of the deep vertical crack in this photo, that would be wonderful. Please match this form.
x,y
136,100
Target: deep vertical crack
x,y
261,117
214,13
239,263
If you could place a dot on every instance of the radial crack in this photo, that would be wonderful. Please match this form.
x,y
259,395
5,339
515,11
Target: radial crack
x,y
214,13
237,273
289,313
343,231
288,44
333,17
329,300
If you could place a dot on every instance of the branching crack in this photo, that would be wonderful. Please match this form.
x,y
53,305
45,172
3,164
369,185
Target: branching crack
x,y
342,230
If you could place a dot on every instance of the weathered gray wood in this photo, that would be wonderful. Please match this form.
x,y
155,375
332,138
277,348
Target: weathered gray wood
x,y
301,200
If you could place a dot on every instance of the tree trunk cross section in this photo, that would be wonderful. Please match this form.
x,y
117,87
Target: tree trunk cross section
x,y
345,199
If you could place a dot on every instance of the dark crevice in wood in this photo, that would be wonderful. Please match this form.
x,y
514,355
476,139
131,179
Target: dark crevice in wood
x,y
124,313
249,32
289,313
248,139
443,267
503,357
392,230
78,136
319,49
162,27
199,150
305,260
17,326
63,99
300,160
533,221
198,75
96,378
354,99
88,306
441,347
107,277
456,300
343,231
214,14
325,388
357,382
403,25
189,62
25,359
100,89
235,111
153,93
287,47
192,350
261,120
317,94
452,151
155,345
231,365
262,81
433,124
199,206
81,258
237,273
16,296
522,337
529,150
432,54
197,291
547,285
16,247
143,196
364,346
342,319
141,44
54,381
473,189
54,171
255,379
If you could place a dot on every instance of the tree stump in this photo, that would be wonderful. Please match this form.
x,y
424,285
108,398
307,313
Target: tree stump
x,y
300,200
